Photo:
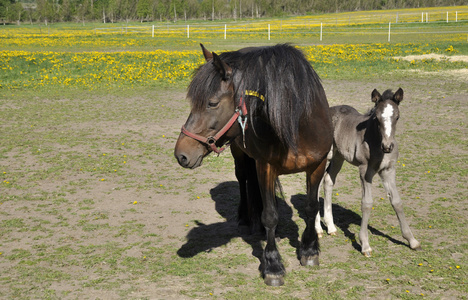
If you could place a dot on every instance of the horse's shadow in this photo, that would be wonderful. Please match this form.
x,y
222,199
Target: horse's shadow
x,y
206,237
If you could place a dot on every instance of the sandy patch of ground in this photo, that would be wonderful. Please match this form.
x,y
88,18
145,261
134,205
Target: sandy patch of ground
x,y
462,58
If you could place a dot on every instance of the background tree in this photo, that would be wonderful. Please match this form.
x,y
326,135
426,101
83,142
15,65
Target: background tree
x,y
143,9
15,12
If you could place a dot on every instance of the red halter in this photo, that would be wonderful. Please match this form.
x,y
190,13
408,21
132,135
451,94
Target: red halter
x,y
240,114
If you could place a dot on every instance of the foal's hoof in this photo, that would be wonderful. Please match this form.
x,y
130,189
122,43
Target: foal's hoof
x,y
274,280
367,253
310,260
416,246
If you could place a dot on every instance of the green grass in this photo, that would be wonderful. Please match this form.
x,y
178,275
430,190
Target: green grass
x,y
74,159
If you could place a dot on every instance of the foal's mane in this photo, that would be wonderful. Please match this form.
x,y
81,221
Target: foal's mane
x,y
280,73
387,95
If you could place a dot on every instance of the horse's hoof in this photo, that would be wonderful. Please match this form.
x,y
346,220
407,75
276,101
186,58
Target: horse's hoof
x,y
274,280
320,235
367,253
310,260
332,233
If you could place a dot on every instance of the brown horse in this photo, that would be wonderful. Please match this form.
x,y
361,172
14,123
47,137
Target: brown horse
x,y
269,105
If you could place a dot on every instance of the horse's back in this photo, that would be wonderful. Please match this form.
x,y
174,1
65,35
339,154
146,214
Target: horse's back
x,y
346,134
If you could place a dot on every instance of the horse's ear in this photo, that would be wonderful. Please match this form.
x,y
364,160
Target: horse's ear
x,y
207,54
375,96
398,97
222,67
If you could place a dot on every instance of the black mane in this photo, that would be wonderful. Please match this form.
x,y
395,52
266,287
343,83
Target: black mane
x,y
280,73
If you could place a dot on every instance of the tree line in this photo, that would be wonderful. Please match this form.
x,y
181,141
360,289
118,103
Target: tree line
x,y
109,11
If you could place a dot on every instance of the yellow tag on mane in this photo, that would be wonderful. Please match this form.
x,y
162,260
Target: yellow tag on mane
x,y
255,94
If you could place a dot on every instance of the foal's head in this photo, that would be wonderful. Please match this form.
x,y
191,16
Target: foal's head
x,y
386,113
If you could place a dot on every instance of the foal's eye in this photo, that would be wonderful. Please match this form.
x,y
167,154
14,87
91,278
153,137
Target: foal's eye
x,y
212,104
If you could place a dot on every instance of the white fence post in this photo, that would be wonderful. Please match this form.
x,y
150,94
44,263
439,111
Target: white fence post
x,y
456,16
422,17
389,24
225,29
321,30
152,32
427,19
188,31
447,17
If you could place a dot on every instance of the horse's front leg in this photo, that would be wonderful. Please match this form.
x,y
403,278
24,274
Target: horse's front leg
x,y
250,205
388,179
309,251
366,175
273,269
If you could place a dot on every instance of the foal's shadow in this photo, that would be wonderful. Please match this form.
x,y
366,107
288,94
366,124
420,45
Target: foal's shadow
x,y
343,218
206,237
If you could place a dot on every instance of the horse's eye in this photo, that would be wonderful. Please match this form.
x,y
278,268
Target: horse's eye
x,y
212,104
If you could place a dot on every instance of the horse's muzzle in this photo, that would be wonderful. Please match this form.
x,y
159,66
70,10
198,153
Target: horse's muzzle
x,y
185,162
387,148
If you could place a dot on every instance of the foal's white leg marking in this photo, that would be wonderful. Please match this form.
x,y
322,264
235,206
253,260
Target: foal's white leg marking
x,y
387,117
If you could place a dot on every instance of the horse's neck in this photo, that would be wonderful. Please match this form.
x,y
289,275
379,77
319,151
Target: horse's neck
x,y
372,135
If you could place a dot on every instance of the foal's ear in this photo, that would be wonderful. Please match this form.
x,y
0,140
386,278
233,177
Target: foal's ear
x,y
222,67
375,96
207,54
398,97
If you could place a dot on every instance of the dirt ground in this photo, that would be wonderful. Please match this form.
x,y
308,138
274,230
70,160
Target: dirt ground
x,y
129,223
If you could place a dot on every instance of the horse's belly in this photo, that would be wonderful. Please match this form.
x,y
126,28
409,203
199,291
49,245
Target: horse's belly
x,y
298,163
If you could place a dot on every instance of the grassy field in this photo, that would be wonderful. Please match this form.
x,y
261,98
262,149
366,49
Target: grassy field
x,y
94,206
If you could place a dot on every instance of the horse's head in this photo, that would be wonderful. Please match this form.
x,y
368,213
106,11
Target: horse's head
x,y
211,93
387,114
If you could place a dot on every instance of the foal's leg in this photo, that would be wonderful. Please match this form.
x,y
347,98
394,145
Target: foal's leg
x,y
273,269
366,174
389,182
329,181
309,251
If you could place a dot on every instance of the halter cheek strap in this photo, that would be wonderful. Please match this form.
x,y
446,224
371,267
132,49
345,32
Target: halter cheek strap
x,y
240,115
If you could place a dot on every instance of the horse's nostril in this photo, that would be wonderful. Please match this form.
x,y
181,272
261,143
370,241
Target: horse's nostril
x,y
183,159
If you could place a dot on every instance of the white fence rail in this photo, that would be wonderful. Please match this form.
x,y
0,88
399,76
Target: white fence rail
x,y
390,24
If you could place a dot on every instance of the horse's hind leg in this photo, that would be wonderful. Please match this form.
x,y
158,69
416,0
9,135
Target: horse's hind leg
x,y
388,179
309,251
329,181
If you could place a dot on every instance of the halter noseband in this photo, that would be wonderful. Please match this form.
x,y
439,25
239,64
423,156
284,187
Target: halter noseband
x,y
240,115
